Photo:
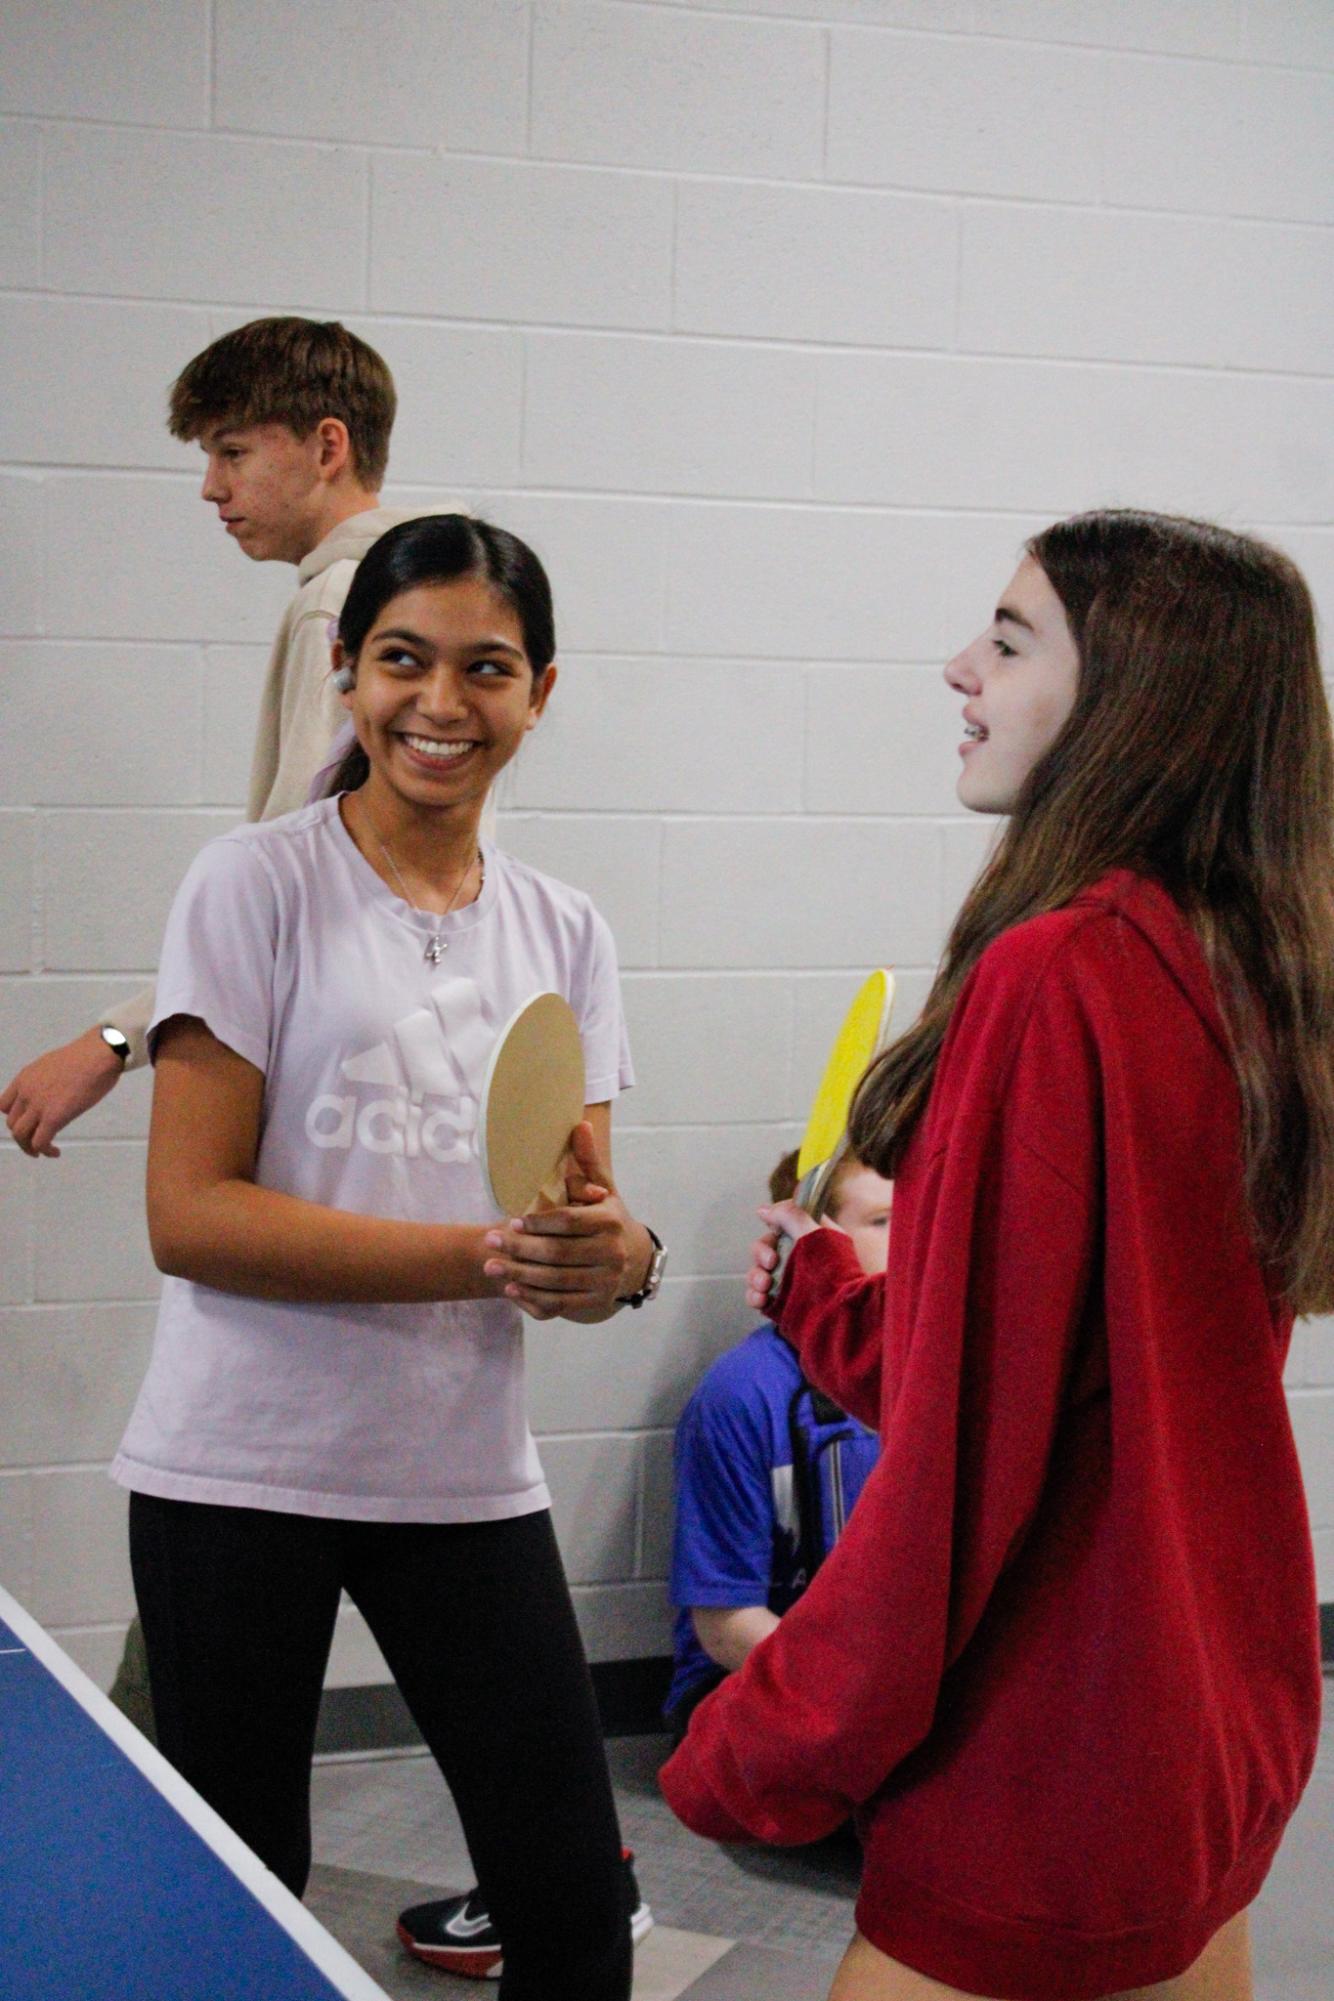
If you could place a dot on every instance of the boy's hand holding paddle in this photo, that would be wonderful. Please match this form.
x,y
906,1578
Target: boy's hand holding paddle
x,y
824,1145
781,1219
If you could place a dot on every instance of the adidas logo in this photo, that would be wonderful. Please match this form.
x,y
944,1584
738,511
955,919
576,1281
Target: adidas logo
x,y
437,1052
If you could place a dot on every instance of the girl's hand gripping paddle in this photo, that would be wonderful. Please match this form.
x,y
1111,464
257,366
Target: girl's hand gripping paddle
x,y
532,1099
864,1034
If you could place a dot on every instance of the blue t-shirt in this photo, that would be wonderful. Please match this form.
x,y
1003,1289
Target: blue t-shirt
x,y
737,1536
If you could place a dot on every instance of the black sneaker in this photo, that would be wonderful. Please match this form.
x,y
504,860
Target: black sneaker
x,y
457,1935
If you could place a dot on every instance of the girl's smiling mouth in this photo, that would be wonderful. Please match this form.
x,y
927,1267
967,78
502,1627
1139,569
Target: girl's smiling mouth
x,y
434,750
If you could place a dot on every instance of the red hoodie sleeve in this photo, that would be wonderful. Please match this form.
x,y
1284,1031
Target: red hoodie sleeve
x,y
834,1316
991,1272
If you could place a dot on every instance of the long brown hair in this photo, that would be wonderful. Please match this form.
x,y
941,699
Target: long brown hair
x,y
1199,753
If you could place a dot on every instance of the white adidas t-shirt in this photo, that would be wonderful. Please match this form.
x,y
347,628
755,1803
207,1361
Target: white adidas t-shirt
x,y
285,941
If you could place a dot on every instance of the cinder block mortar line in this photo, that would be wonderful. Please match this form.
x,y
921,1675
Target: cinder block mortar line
x,y
1243,59
618,657
784,973
65,1466
41,199
48,1306
673,257
813,442
944,201
770,503
705,1129
98,1626
612,1583
767,502
202,809
79,642
36,886
807,743
45,549
110,973
367,202
957,321
238,135
672,815
606,1431
910,190
193,809
682,338
688,337
71,1143
210,63
81,471
522,449
572,659
659,878
1105,165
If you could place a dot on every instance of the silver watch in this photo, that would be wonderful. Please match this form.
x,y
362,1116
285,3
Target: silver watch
x,y
653,1282
115,1041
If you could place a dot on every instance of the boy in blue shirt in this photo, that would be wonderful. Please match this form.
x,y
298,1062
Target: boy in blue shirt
x,y
767,1471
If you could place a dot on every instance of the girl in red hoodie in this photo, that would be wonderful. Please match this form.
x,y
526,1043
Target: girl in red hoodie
x,y
1063,1664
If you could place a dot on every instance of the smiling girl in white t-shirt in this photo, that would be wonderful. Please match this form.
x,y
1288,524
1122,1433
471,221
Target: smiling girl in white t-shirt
x,y
335,1399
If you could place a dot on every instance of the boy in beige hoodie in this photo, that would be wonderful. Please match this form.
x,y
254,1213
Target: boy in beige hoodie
x,y
294,418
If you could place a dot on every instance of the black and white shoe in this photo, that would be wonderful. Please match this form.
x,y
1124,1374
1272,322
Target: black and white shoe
x,y
457,1935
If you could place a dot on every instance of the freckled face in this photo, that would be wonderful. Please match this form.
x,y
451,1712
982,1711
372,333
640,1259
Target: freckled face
x,y
265,483
444,692
862,1209
1019,679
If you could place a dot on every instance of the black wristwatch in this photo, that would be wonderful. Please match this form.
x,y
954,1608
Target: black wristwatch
x,y
115,1042
657,1265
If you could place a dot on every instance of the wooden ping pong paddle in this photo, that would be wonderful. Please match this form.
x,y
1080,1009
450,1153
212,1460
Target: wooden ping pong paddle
x,y
532,1099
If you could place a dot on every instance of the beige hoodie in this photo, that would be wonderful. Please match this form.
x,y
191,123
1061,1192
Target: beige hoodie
x,y
299,710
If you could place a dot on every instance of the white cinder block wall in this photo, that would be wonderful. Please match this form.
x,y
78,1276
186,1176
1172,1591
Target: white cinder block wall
x,y
775,324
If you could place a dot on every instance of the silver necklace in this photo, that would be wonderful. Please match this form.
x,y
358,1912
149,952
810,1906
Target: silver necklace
x,y
436,946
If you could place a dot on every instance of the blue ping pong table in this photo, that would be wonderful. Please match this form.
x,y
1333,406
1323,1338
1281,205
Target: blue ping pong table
x,y
117,1882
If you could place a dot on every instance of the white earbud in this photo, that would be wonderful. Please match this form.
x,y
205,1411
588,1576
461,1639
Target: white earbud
x,y
344,679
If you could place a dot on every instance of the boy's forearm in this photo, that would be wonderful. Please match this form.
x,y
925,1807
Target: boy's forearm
x,y
237,1237
132,1017
729,1633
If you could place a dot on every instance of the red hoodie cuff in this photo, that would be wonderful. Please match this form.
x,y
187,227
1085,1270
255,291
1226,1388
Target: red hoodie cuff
x,y
694,1802
819,1252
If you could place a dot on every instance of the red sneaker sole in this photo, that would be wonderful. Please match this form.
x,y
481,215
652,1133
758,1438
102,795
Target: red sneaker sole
x,y
451,1958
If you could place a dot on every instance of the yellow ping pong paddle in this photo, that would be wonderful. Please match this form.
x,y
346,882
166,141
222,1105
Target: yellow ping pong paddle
x,y
864,1034
532,1099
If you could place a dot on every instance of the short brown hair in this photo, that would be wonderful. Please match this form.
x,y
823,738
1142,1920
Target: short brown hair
x,y
783,1180
294,372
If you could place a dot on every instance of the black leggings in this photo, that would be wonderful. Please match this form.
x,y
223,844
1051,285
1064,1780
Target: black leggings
x,y
475,1622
